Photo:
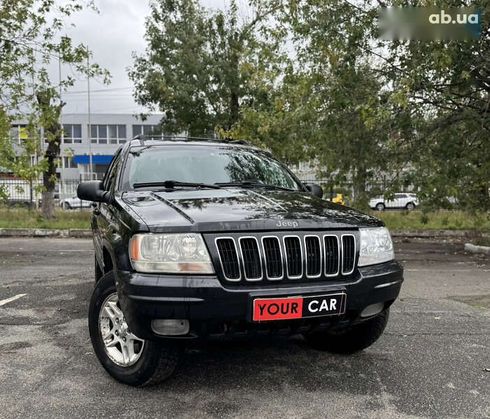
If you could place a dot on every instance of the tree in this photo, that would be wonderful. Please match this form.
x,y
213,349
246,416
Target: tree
x,y
414,111
200,66
30,40
446,84
342,118
310,79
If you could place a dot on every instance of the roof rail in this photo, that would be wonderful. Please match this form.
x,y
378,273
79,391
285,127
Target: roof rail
x,y
162,137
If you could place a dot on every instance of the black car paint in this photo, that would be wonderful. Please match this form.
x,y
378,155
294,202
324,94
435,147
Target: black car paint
x,y
204,299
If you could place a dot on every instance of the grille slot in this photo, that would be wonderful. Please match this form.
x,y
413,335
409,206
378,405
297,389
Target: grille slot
x,y
294,256
229,258
252,266
313,256
348,254
273,257
331,257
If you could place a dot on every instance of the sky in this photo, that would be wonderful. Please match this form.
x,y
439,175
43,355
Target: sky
x,y
112,35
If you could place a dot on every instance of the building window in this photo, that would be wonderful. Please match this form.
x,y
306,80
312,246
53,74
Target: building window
x,y
121,134
18,133
68,163
146,130
72,133
108,134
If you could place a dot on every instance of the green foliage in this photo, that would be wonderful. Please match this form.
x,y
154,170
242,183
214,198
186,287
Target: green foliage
x,y
445,86
310,80
201,67
4,195
31,39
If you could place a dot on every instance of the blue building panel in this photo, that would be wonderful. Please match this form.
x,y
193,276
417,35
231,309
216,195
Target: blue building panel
x,y
96,159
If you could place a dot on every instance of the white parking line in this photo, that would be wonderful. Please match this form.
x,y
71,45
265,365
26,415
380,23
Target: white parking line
x,y
9,300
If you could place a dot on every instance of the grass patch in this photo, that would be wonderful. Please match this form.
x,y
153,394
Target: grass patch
x,y
23,218
482,241
435,220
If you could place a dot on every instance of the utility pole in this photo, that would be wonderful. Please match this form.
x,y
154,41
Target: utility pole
x,y
60,191
89,128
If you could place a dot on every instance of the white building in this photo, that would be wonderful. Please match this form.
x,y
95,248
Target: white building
x,y
106,133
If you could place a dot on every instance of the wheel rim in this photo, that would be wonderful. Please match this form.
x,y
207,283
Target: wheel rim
x,y
122,347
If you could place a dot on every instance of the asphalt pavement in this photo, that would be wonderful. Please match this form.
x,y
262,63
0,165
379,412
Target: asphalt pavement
x,y
432,361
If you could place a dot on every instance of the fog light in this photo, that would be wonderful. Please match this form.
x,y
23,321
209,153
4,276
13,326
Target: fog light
x,y
372,310
170,327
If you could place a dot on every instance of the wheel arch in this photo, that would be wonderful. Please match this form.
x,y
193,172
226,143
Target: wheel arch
x,y
108,260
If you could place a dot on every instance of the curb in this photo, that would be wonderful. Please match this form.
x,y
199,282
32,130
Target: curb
x,y
473,248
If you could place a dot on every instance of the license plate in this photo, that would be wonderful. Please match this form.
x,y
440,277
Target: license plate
x,y
267,309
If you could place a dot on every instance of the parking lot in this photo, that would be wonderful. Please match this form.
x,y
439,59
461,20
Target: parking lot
x,y
432,361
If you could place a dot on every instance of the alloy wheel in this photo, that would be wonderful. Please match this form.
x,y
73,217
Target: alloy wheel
x,y
121,346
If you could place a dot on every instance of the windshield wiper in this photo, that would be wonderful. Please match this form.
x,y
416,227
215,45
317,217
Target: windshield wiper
x,y
253,183
171,184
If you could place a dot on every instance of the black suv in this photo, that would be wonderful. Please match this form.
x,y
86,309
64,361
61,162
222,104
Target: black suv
x,y
203,239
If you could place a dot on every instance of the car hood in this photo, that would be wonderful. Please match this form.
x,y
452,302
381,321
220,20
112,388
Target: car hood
x,y
209,210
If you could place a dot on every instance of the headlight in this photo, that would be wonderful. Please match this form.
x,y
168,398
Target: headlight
x,y
376,246
170,253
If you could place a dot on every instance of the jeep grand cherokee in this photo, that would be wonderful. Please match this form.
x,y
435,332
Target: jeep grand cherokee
x,y
203,239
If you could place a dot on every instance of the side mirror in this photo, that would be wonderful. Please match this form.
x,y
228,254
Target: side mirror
x,y
92,191
314,189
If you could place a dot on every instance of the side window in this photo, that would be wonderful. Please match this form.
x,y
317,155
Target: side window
x,y
109,178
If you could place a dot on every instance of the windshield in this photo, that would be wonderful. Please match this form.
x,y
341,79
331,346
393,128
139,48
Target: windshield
x,y
206,165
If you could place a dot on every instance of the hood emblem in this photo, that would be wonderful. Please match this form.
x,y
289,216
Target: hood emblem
x,y
293,224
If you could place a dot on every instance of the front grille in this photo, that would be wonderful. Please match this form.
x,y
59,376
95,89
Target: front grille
x,y
285,256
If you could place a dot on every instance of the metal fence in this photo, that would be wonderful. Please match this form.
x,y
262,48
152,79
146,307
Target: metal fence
x,y
23,192
17,191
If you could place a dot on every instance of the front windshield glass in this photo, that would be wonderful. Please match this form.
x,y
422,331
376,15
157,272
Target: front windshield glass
x,y
206,165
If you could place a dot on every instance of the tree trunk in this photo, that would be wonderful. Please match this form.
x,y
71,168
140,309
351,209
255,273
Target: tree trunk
x,y
235,51
234,109
359,187
52,133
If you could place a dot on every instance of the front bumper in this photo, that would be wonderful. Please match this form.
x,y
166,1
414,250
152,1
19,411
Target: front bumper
x,y
217,310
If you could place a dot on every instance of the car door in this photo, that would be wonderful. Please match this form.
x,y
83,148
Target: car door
x,y
103,214
399,201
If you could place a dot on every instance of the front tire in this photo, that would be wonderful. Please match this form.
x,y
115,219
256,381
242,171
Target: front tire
x,y
380,206
353,339
410,206
124,356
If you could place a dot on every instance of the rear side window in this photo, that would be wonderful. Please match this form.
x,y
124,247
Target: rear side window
x,y
111,174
